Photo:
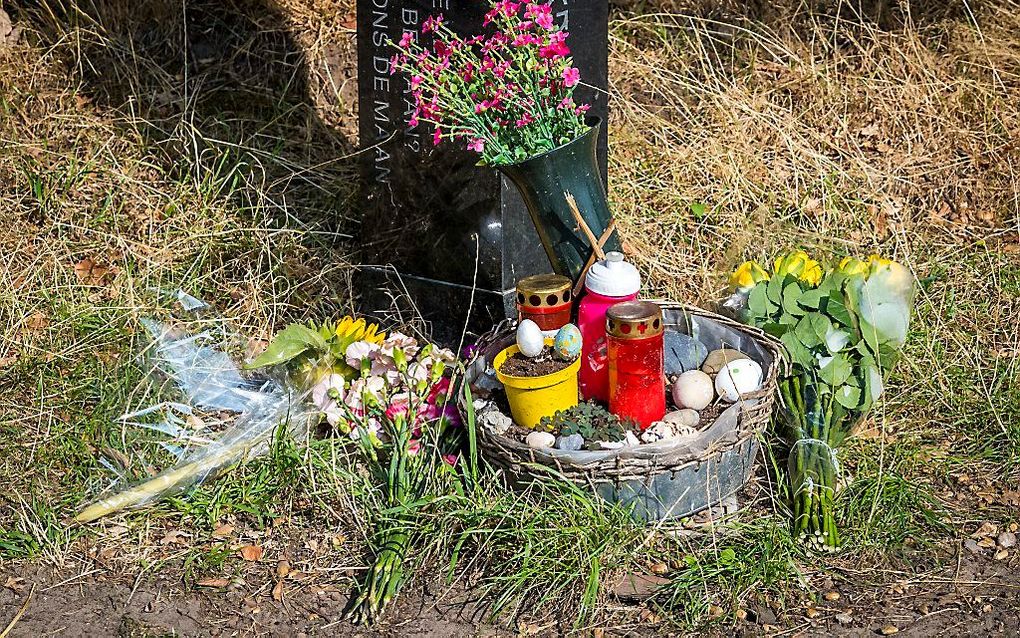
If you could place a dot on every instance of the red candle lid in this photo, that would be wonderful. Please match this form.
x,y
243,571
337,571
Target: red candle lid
x,y
543,291
634,320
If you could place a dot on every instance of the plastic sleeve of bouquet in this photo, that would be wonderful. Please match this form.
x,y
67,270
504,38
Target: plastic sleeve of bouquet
x,y
250,436
209,380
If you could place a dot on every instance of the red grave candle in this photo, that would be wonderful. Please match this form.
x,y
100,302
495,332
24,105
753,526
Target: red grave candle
x,y
546,300
637,383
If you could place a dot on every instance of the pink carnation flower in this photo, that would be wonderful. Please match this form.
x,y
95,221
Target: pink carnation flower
x,y
571,76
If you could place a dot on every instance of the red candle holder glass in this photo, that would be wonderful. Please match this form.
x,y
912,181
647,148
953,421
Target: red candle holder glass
x,y
637,383
545,299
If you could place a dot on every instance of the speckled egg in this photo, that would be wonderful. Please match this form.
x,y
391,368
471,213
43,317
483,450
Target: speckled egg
x,y
738,377
529,339
567,343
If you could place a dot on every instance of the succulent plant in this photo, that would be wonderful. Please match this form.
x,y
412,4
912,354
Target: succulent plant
x,y
588,419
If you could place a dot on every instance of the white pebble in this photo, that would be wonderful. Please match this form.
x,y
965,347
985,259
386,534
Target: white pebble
x,y
687,417
539,440
693,389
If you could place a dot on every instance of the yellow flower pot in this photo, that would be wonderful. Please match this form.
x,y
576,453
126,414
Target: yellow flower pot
x,y
532,398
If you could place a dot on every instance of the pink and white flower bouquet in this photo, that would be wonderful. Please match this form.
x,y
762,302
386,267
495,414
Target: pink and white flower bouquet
x,y
507,95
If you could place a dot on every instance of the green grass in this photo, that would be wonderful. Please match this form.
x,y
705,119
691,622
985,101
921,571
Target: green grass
x,y
723,130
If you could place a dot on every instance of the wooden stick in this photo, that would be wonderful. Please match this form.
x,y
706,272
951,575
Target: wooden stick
x,y
584,225
591,258
17,616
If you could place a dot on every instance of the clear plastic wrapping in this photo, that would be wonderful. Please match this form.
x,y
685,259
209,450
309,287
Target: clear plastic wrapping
x,y
206,380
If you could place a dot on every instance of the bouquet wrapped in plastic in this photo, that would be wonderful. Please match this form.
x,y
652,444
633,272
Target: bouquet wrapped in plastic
x,y
389,394
843,329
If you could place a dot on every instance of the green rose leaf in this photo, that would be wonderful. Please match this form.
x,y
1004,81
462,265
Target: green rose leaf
x,y
791,296
811,299
774,289
799,353
806,332
759,305
821,324
849,397
835,370
291,342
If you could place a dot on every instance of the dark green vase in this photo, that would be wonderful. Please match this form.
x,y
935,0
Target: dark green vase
x,y
543,180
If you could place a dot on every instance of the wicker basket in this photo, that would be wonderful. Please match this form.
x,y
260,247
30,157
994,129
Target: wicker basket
x,y
661,480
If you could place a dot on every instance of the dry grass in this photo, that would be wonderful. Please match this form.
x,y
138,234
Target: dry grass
x,y
226,169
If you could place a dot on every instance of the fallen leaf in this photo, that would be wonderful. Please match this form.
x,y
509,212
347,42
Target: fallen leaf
x,y
8,34
283,568
223,530
195,422
16,585
870,130
37,321
90,273
216,583
350,22
278,592
637,586
176,537
117,457
251,553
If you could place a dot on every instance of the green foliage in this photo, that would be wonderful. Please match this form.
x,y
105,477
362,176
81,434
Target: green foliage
x,y
290,343
842,330
588,419
305,347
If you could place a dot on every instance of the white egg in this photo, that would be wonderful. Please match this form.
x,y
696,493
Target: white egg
x,y
738,377
693,389
529,339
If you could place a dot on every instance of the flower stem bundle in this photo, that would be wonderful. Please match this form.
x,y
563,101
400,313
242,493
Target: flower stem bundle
x,y
844,329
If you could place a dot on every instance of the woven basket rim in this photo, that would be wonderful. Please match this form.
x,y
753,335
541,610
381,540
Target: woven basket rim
x,y
754,414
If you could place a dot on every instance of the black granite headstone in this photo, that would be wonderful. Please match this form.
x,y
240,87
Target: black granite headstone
x,y
442,237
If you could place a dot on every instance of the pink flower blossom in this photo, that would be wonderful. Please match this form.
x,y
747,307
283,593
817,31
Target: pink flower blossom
x,y
477,145
524,120
541,14
506,8
432,24
358,352
416,81
437,136
571,76
556,48
451,459
406,39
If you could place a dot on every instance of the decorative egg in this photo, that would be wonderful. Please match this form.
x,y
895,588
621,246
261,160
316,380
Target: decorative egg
x,y
567,343
738,377
529,339
693,389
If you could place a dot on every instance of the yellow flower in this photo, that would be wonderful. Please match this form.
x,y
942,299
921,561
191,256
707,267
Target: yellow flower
x,y
747,275
350,330
800,266
853,266
878,260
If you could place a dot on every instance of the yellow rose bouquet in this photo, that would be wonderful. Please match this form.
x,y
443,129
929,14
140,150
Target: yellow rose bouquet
x,y
843,328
